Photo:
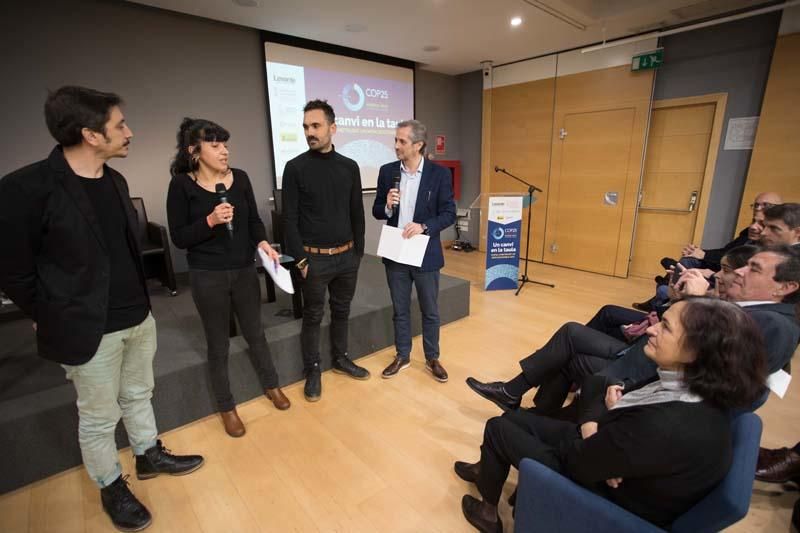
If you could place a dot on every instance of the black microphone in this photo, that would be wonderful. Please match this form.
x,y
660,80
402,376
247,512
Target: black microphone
x,y
395,185
222,192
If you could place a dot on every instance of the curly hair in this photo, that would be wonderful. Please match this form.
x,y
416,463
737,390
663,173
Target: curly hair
x,y
729,369
192,132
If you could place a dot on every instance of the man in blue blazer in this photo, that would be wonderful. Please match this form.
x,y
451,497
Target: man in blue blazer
x,y
423,204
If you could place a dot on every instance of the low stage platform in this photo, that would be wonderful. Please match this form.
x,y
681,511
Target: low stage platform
x,y
38,417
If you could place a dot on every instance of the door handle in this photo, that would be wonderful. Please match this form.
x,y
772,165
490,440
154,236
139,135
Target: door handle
x,y
692,205
692,201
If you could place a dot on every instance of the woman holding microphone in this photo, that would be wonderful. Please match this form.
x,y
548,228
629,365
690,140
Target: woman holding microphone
x,y
221,238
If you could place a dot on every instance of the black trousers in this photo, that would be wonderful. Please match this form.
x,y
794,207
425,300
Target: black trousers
x,y
573,352
517,435
338,275
216,293
610,317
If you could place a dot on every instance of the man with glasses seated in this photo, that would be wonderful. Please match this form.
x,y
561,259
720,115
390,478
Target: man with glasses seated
x,y
709,260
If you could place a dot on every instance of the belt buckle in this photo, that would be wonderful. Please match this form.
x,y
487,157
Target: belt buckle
x,y
331,250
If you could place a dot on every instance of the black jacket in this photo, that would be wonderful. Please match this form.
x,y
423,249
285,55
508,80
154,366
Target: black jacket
x,y
55,266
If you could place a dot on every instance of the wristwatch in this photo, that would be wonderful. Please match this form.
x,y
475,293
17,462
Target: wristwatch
x,y
424,229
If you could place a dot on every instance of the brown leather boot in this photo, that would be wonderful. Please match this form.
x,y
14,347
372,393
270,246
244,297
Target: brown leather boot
x,y
233,424
278,398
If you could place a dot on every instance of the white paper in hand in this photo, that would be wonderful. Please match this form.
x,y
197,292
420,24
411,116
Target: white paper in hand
x,y
393,246
279,275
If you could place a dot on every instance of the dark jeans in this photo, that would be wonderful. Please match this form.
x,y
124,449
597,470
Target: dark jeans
x,y
517,435
400,278
216,293
338,274
572,353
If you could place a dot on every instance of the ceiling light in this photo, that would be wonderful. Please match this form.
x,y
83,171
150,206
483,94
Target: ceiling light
x,y
355,28
431,48
246,3
516,21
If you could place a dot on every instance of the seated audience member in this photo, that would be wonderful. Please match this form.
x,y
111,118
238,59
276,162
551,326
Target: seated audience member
x,y
749,235
782,225
695,257
767,287
710,358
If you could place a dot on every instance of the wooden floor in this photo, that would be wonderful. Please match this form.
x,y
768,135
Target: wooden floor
x,y
372,456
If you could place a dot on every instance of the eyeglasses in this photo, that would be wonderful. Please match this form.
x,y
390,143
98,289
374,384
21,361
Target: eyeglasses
x,y
760,206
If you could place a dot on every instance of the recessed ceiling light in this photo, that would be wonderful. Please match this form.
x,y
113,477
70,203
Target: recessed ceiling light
x,y
246,3
431,48
516,21
355,28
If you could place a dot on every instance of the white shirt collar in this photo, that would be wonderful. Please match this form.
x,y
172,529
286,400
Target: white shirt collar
x,y
419,168
755,302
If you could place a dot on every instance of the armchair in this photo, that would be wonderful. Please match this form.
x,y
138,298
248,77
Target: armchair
x,y
550,502
154,245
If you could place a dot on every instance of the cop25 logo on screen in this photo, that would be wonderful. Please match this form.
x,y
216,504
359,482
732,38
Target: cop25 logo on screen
x,y
353,97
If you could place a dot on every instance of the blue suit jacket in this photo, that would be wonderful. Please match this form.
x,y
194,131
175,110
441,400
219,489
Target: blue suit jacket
x,y
435,206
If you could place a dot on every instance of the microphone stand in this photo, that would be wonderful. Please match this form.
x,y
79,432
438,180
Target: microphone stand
x,y
531,188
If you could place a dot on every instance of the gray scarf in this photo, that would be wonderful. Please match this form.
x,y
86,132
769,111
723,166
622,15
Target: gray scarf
x,y
669,388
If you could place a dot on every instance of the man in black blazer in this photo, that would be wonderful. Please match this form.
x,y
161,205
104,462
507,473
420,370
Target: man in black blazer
x,y
423,204
71,262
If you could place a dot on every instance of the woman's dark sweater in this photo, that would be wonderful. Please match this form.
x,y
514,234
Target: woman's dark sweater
x,y
188,205
670,455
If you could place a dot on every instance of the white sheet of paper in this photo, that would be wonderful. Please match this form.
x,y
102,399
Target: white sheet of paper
x,y
778,382
279,275
393,246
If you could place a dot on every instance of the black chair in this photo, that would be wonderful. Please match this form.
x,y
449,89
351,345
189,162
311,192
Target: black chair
x,y
155,249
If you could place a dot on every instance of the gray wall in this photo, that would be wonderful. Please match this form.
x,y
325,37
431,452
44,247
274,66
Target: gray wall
x,y
732,58
166,66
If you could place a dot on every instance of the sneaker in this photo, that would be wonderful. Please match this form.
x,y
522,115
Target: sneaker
x,y
437,370
158,460
343,365
399,363
125,511
313,388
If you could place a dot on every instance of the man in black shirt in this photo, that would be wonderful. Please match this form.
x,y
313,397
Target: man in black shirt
x,y
324,230
72,264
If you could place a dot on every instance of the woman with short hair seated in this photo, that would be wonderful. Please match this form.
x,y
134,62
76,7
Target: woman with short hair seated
x,y
656,449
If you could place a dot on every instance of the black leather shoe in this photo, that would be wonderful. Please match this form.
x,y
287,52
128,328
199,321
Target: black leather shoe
x,y
796,515
495,393
644,307
470,507
343,365
313,388
125,511
158,460
394,368
467,471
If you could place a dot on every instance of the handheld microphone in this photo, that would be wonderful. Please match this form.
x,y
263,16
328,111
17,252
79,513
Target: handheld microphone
x,y
222,192
395,185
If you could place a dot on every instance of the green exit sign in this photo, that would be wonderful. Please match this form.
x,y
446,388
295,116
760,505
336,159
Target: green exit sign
x,y
648,60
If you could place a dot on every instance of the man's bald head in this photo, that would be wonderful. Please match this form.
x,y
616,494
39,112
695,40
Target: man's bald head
x,y
771,198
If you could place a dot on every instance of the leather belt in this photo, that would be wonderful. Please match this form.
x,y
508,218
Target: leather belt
x,y
329,251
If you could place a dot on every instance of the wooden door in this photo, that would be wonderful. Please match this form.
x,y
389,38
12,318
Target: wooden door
x,y
589,177
675,165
